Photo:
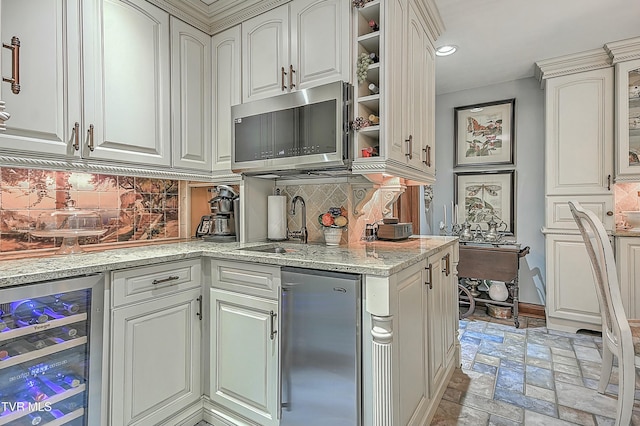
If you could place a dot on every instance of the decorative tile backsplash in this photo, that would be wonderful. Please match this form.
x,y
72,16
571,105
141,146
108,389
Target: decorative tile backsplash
x,y
627,197
132,208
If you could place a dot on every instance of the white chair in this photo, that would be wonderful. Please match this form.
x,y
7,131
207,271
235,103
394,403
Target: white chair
x,y
619,336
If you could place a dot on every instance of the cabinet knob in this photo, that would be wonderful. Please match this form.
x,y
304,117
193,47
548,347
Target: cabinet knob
x,y
609,213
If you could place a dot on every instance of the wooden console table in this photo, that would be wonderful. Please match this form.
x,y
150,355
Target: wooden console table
x,y
499,262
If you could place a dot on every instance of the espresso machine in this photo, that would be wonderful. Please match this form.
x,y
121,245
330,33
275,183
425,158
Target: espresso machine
x,y
222,224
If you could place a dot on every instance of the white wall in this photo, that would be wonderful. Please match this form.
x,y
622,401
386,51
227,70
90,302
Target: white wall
x,y
529,166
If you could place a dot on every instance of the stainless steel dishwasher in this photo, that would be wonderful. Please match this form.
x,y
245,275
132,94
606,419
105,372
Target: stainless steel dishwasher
x,y
320,353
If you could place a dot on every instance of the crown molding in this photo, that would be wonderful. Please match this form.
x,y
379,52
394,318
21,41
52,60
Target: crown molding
x,y
623,50
571,64
431,16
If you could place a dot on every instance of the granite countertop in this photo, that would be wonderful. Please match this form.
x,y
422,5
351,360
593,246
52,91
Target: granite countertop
x,y
373,258
626,232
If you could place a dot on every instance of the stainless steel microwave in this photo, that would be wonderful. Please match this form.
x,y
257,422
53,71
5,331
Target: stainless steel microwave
x,y
302,130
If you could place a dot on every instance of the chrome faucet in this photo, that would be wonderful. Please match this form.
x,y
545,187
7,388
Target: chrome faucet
x,y
302,233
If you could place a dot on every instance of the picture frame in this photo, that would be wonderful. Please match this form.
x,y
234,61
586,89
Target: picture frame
x,y
481,196
484,134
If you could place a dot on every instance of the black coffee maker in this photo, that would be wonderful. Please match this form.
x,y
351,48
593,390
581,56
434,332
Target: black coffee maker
x,y
222,224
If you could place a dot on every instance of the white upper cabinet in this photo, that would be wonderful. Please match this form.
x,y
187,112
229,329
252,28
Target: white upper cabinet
x,y
628,120
320,40
226,92
295,46
265,54
127,90
190,97
48,104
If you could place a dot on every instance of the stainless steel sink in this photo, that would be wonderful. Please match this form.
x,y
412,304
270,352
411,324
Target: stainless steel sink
x,y
269,249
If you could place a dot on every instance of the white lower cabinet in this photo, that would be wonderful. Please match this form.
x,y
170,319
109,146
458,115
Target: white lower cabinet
x,y
244,355
628,263
156,335
572,303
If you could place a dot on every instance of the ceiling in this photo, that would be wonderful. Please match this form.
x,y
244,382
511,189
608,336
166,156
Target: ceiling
x,y
500,40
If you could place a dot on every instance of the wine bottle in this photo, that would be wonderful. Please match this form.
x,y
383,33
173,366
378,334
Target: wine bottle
x,y
374,89
67,378
32,390
18,347
28,312
6,321
373,25
374,119
63,305
374,57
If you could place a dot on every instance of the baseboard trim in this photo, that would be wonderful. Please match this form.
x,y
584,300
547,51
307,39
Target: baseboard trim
x,y
531,310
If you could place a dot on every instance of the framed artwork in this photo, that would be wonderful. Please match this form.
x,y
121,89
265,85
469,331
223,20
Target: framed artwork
x,y
481,196
484,133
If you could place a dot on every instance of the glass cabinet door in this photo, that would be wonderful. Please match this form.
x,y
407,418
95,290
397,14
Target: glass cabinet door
x,y
628,120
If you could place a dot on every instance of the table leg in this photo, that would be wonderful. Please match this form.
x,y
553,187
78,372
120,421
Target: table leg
x,y
515,302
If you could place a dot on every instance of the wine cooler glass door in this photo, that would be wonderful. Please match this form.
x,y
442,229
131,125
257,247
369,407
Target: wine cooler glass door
x,y
51,352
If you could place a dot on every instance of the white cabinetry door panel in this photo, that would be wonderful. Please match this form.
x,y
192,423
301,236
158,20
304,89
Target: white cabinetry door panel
x,y
319,42
411,350
416,86
579,121
191,97
395,56
572,302
227,91
43,113
265,50
436,323
127,72
628,263
559,215
244,355
155,359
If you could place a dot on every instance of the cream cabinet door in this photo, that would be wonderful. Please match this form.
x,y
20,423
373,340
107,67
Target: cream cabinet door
x,y
435,321
155,359
628,263
265,54
320,42
126,71
227,91
48,104
572,303
579,133
244,355
190,97
416,82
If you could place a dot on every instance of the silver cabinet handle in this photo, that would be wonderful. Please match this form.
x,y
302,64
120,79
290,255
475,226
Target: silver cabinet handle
x,y
282,79
199,313
75,135
291,71
429,282
427,155
15,64
273,316
409,146
447,264
90,137
165,280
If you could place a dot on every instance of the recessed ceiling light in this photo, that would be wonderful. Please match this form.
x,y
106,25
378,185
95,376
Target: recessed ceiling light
x,y
446,50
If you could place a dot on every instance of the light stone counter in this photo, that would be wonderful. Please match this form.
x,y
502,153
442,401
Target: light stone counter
x,y
376,258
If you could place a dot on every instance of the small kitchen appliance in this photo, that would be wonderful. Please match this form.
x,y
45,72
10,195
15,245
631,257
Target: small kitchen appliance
x,y
222,224
394,231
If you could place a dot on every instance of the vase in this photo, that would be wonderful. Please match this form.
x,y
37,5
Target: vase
x,y
498,291
332,236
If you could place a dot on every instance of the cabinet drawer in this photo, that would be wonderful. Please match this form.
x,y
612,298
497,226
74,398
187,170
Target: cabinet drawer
x,y
559,215
137,284
247,278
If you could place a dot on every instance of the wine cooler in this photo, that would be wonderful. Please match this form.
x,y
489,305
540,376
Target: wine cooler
x,y
51,352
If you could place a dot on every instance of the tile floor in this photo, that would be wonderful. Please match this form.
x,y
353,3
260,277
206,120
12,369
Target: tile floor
x,y
527,376
530,376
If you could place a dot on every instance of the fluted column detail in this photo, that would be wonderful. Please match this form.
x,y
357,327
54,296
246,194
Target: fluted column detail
x,y
381,360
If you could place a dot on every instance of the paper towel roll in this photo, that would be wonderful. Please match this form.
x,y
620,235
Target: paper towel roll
x,y
277,217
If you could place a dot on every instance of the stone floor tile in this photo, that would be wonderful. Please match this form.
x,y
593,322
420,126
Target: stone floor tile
x,y
501,421
450,414
453,395
488,359
510,380
540,393
582,398
566,360
569,353
590,370
484,368
540,377
587,354
576,416
569,369
585,343
605,421
493,406
567,378
532,418
540,363
528,403
538,351
483,336
514,337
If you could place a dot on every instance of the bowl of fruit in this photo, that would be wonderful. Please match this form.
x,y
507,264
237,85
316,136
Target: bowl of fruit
x,y
333,222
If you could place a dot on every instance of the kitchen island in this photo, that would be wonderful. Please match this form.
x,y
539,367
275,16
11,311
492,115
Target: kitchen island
x,y
408,338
